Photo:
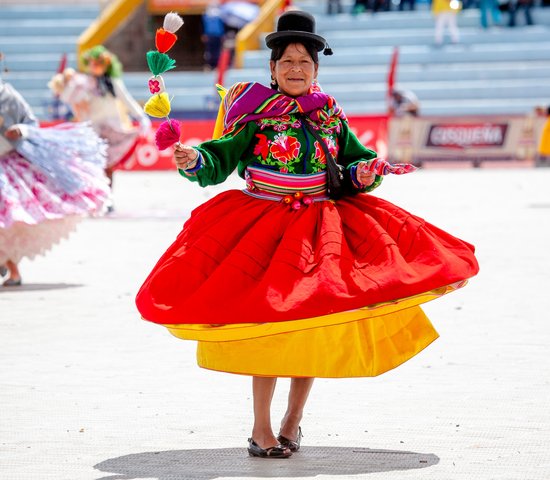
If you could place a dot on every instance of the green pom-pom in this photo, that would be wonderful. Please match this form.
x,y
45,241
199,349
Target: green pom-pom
x,y
159,62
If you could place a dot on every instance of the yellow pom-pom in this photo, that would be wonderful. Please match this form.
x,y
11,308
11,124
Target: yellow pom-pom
x,y
158,106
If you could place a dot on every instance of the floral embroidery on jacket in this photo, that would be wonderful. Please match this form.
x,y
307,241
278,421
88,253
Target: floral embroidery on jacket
x,y
279,124
284,142
285,148
262,147
320,159
333,126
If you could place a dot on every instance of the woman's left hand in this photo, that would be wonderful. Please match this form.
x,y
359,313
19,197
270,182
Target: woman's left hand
x,y
364,176
13,133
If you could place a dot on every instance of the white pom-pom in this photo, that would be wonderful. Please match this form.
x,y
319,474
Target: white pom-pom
x,y
172,22
156,84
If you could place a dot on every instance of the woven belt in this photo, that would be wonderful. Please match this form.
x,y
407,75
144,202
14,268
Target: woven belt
x,y
288,188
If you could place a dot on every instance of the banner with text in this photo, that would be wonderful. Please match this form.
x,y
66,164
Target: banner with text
x,y
472,139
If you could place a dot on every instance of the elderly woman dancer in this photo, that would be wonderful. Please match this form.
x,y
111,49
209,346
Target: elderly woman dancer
x,y
280,280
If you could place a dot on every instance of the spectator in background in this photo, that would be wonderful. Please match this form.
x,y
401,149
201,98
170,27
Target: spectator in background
x,y
412,5
492,7
403,102
514,6
334,6
445,18
361,6
213,32
235,15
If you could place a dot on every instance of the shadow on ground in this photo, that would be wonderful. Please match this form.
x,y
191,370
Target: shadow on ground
x,y
29,287
209,464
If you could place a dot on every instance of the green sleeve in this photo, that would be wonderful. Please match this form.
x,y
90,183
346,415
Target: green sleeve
x,y
352,151
221,156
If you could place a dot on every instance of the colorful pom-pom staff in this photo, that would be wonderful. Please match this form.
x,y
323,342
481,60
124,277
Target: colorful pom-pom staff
x,y
158,61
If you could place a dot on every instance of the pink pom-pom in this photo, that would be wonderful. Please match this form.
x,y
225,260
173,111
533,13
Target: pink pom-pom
x,y
167,134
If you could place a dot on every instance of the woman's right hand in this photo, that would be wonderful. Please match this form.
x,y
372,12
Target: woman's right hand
x,y
185,156
13,133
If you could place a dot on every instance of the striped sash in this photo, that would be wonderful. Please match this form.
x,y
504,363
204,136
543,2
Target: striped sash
x,y
272,185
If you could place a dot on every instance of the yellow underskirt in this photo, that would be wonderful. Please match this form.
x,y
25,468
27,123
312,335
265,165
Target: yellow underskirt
x,y
363,348
359,343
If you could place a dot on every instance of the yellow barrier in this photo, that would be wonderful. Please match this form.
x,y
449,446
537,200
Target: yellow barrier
x,y
183,7
107,22
248,36
117,11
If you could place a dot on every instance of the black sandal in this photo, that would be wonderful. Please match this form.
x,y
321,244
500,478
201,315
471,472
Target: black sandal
x,y
278,451
292,445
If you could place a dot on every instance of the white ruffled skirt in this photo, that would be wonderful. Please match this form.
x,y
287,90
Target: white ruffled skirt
x,y
37,210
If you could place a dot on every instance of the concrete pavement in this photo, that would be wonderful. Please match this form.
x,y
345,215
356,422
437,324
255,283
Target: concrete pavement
x,y
89,391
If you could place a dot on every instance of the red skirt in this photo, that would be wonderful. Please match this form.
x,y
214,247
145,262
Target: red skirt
x,y
241,259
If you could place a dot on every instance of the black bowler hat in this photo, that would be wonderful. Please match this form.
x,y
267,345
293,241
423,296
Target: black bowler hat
x,y
299,26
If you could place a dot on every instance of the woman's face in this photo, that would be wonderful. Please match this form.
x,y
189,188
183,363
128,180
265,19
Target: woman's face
x,y
96,68
295,71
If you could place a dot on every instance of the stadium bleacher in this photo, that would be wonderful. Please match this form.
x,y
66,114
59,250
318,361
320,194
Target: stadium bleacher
x,y
501,70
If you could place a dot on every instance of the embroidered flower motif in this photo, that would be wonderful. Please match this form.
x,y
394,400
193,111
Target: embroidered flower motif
x,y
331,126
284,148
154,86
279,124
320,153
262,147
282,119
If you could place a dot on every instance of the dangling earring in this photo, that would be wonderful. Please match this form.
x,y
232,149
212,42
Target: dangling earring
x,y
274,85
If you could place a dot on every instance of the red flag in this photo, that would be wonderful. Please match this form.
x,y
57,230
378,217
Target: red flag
x,y
62,63
392,72
223,65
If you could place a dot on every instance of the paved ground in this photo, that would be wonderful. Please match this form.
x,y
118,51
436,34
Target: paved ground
x,y
89,391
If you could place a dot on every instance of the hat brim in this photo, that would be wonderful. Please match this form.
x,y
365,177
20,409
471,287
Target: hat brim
x,y
318,41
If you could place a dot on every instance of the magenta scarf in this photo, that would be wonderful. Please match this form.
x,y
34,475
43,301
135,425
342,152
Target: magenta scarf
x,y
246,102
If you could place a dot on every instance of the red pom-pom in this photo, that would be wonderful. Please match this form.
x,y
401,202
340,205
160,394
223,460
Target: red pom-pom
x,y
167,134
164,40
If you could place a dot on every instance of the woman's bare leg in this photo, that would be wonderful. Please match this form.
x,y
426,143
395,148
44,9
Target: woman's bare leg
x,y
297,398
13,271
110,205
262,390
